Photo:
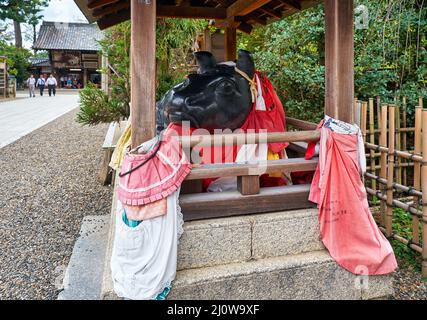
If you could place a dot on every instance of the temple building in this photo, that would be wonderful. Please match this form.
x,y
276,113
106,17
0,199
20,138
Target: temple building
x,y
73,53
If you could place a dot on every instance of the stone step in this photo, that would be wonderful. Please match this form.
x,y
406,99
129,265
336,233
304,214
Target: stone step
x,y
312,275
83,276
237,239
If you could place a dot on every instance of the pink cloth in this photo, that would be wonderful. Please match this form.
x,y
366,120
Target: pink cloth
x,y
158,178
145,212
347,227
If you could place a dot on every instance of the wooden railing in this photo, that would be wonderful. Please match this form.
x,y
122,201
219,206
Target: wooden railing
x,y
249,197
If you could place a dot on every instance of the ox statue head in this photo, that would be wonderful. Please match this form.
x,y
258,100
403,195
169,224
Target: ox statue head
x,y
217,97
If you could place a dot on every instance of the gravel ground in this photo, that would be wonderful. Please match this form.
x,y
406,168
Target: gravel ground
x,y
409,286
48,184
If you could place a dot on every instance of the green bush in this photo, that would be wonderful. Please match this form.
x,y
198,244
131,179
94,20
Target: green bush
x,y
97,107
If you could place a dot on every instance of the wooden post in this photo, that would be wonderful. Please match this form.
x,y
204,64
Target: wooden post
x,y
84,77
363,119
357,112
417,172
143,70
404,139
383,160
424,187
230,44
398,136
391,142
372,140
248,185
339,59
378,106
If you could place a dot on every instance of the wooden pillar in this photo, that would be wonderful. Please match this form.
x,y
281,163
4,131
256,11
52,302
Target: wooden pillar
x,y
84,77
105,76
339,59
424,190
143,70
230,44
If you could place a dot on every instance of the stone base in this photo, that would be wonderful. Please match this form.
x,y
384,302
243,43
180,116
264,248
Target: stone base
x,y
306,276
266,256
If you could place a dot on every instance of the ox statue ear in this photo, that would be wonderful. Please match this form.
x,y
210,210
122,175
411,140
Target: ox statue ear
x,y
245,62
205,60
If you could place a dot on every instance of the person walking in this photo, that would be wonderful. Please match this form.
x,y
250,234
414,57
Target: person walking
x,y
51,84
41,82
31,83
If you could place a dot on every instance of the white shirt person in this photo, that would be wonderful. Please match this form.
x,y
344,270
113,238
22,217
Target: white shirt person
x,y
51,84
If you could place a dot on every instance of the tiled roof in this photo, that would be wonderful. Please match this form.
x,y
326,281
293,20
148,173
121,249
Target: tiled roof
x,y
40,62
68,36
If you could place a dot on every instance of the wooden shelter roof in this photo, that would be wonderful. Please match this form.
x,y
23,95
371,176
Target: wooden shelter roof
x,y
68,36
242,14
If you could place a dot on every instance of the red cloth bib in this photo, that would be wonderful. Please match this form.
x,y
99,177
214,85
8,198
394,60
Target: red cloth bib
x,y
347,227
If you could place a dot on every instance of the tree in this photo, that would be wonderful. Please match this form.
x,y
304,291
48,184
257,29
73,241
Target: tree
x,y
17,60
390,55
175,39
21,11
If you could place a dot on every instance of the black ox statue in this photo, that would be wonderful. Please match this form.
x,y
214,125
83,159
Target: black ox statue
x,y
217,97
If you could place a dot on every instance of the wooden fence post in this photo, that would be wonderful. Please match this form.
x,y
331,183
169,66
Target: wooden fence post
x,y
372,140
424,197
383,160
417,172
404,139
398,136
391,143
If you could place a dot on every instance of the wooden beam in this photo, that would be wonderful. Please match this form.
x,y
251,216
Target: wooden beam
x,y
95,4
245,169
232,203
291,4
271,12
97,13
143,71
191,12
239,24
339,59
244,7
112,19
254,18
182,3
300,124
248,138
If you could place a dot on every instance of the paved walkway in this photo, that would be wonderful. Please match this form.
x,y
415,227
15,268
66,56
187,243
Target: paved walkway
x,y
24,115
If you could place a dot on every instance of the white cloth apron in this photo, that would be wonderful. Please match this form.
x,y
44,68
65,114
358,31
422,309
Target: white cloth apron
x,y
144,258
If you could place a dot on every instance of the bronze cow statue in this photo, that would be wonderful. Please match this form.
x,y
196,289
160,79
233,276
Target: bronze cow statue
x,y
217,97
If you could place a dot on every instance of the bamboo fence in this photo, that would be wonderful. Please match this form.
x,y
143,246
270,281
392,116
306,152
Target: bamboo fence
x,y
399,178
